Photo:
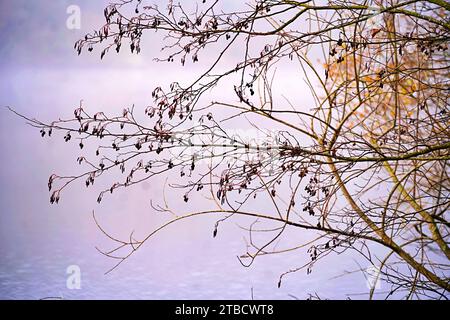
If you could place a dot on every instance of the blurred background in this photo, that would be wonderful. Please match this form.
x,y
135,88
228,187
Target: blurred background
x,y
42,76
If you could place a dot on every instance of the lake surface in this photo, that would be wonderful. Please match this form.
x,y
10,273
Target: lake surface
x,y
205,269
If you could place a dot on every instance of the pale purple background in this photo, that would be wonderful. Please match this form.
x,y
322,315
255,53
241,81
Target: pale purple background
x,y
41,76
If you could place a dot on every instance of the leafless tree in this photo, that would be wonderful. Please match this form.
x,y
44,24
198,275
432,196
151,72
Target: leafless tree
x,y
365,166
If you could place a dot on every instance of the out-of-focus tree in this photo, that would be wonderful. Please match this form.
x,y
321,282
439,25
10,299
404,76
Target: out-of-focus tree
x,y
364,167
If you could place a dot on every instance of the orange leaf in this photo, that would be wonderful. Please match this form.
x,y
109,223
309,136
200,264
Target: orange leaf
x,y
375,32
